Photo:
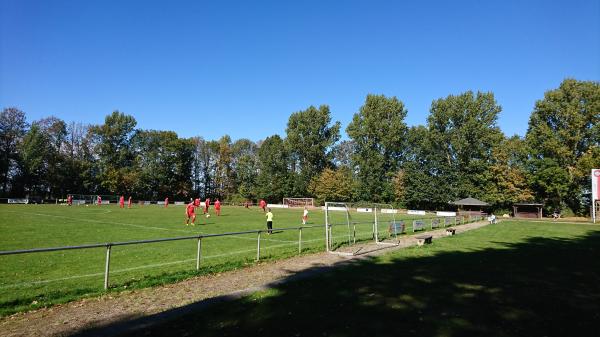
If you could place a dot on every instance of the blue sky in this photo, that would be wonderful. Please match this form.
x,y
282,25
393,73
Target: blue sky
x,y
242,67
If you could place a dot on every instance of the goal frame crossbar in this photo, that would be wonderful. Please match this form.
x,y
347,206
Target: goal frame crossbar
x,y
375,209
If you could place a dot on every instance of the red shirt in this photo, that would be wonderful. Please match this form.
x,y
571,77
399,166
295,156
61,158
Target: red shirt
x,y
207,202
217,204
190,208
263,203
99,200
122,200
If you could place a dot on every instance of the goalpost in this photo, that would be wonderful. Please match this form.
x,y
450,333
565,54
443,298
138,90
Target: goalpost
x,y
299,202
346,223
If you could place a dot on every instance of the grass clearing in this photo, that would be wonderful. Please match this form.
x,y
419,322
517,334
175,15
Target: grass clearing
x,y
29,281
514,278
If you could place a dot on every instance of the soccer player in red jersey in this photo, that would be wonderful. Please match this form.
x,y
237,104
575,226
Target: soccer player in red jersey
x,y
218,207
122,202
190,212
263,205
206,205
99,200
167,202
69,200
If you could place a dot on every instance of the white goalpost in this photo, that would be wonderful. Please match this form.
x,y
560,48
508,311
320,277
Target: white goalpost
x,y
299,202
345,224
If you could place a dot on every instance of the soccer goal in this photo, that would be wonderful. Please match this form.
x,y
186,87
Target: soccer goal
x,y
299,202
347,224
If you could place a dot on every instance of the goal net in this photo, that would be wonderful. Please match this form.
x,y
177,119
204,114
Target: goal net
x,y
347,224
299,202
92,199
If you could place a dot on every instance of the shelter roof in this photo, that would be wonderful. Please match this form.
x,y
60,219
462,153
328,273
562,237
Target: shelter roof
x,y
469,202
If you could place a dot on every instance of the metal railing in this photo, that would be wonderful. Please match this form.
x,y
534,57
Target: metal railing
x,y
199,237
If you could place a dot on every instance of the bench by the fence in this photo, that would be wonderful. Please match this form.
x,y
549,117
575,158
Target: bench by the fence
x,y
424,239
450,231
397,227
435,223
418,225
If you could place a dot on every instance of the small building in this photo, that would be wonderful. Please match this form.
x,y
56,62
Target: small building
x,y
527,210
470,206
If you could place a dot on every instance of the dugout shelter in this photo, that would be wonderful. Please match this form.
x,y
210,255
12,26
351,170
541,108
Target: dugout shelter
x,y
528,210
470,206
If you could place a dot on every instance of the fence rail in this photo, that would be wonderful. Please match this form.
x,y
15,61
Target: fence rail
x,y
199,239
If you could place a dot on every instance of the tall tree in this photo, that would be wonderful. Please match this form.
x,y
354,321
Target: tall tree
x,y
34,150
55,130
114,150
163,165
378,132
224,174
508,174
564,128
12,129
334,185
204,166
310,138
463,131
274,177
245,162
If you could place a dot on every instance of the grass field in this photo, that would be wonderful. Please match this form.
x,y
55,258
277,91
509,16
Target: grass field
x,y
510,279
28,281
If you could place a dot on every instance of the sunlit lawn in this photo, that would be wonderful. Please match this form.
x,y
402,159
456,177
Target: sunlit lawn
x,y
28,281
510,279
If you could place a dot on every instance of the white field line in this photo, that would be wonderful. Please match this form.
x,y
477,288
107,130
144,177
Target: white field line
x,y
33,283
105,222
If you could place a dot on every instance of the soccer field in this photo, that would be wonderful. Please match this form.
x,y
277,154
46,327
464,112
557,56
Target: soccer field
x,y
32,280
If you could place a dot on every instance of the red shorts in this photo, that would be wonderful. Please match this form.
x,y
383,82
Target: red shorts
x,y
191,214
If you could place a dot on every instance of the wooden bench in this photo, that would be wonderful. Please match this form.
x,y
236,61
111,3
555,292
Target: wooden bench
x,y
418,225
424,239
397,227
450,231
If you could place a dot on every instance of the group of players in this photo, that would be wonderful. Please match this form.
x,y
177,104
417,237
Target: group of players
x,y
190,210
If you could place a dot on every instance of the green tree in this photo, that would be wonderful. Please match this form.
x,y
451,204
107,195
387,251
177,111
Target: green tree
x,y
564,128
224,173
463,132
274,176
12,128
310,138
34,149
333,185
245,163
164,164
426,180
508,174
114,151
55,130
205,155
378,132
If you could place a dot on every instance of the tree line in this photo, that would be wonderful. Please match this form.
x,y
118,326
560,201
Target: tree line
x,y
460,152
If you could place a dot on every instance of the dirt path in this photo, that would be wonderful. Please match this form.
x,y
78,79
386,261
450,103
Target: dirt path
x,y
70,318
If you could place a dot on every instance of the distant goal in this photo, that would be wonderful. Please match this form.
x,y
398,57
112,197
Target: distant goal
x,y
299,202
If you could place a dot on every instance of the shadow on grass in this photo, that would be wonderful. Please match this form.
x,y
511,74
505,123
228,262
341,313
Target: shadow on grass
x,y
539,287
